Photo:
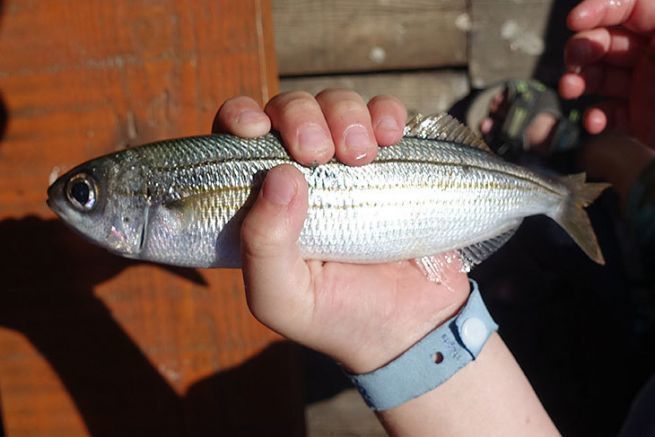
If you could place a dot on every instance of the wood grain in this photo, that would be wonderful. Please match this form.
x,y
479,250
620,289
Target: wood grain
x,y
91,343
516,40
317,36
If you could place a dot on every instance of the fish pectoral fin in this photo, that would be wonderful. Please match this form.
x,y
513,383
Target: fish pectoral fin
x,y
443,127
185,211
229,202
179,211
437,267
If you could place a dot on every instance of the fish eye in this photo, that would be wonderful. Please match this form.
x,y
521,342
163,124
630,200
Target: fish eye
x,y
81,192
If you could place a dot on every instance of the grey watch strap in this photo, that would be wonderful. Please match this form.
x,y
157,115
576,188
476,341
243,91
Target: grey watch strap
x,y
431,361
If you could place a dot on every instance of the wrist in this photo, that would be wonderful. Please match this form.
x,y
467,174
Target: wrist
x,y
391,339
431,361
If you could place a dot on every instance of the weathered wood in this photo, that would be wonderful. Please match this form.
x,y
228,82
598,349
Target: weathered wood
x,y
517,39
91,343
425,92
318,36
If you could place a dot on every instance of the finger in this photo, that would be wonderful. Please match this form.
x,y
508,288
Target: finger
x,y
636,15
611,114
571,86
616,47
298,118
595,120
277,280
642,18
388,116
596,79
595,13
241,116
350,124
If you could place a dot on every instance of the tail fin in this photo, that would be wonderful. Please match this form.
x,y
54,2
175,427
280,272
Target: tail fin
x,y
572,217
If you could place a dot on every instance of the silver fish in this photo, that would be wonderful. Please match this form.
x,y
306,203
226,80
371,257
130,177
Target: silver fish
x,y
181,201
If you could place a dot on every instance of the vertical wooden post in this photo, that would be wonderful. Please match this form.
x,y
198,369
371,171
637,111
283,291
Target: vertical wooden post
x,y
89,342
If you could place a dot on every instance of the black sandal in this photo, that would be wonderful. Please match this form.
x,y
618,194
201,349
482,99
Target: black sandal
x,y
525,100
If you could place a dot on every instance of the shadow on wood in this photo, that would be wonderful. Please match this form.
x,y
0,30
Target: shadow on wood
x,y
3,117
113,384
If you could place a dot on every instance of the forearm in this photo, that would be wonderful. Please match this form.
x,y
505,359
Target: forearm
x,y
489,396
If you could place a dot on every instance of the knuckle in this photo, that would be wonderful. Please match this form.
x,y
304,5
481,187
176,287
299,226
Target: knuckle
x,y
260,241
232,107
348,107
389,101
301,105
385,98
297,94
337,93
291,105
385,103
238,103
283,99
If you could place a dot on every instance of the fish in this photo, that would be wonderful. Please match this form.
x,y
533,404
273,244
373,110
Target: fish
x,y
439,190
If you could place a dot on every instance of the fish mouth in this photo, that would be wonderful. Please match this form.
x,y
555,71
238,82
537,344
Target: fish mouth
x,y
56,200
54,206
51,204
55,191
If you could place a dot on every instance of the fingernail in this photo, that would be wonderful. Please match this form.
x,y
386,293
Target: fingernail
x,y
278,190
250,117
357,141
313,138
387,124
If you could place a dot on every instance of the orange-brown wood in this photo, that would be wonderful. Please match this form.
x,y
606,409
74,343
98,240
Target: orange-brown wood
x,y
91,343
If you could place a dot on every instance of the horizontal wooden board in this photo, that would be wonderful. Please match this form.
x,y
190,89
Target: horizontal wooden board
x,y
517,39
318,36
424,92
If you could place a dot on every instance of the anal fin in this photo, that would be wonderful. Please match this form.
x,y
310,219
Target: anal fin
x,y
437,267
475,253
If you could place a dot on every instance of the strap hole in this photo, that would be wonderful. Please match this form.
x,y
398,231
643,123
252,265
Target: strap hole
x,y
437,358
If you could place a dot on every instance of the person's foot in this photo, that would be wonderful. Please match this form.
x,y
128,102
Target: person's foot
x,y
523,115
537,135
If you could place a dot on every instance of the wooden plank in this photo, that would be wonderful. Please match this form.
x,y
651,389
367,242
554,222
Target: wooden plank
x,y
318,36
424,92
91,343
517,39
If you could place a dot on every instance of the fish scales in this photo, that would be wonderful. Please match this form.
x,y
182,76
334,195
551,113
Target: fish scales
x,y
181,201
419,197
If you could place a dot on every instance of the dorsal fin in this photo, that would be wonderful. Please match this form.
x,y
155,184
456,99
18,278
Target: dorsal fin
x,y
443,127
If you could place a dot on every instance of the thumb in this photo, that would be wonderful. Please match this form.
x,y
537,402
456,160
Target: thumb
x,y
277,279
